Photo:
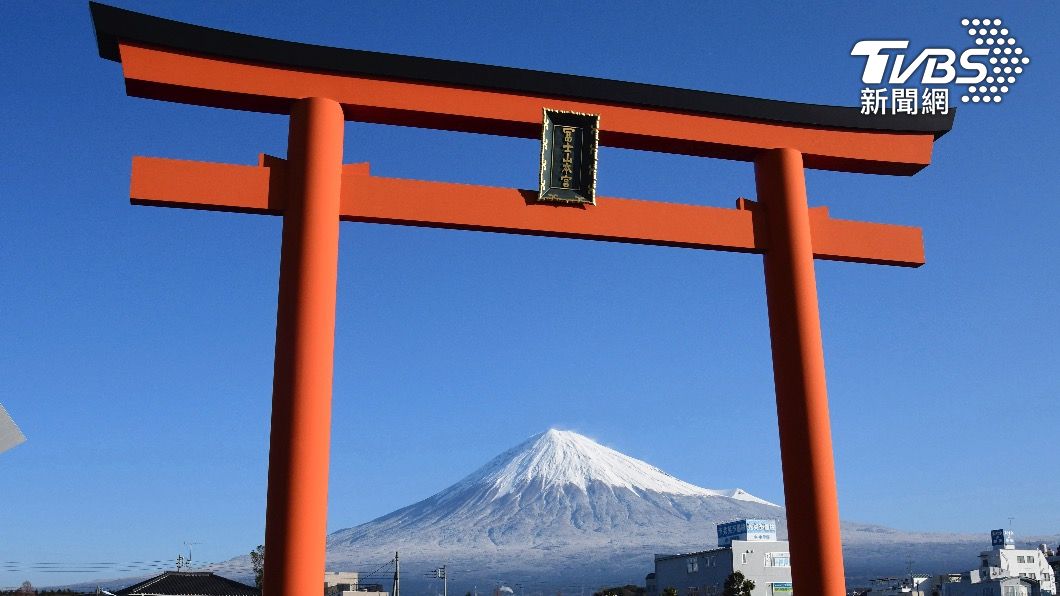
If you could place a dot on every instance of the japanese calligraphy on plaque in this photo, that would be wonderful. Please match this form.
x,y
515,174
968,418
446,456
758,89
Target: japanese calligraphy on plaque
x,y
568,157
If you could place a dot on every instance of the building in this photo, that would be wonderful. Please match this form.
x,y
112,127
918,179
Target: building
x,y
1005,570
340,581
1005,560
1001,586
1053,558
749,546
348,583
189,583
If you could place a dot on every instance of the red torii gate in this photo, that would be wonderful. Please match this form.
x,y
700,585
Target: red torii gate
x,y
321,87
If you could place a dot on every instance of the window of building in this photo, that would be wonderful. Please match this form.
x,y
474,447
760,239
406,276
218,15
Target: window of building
x,y
777,560
693,590
693,564
1019,559
1030,558
781,589
744,558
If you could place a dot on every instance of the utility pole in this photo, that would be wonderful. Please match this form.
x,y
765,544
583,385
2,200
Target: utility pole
x,y
397,574
440,573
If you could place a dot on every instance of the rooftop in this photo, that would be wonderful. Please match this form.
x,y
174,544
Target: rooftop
x,y
189,583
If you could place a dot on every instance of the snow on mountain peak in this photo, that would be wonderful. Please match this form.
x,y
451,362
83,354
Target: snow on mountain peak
x,y
557,458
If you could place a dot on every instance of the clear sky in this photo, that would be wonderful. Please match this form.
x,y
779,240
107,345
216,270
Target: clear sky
x,y
136,343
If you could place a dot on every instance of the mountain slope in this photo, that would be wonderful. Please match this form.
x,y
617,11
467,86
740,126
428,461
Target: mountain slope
x,y
560,511
554,510
558,489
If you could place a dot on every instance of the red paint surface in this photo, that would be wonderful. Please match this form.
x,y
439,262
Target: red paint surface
x,y
798,374
252,189
296,513
187,78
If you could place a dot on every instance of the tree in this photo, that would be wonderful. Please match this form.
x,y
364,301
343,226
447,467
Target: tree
x,y
626,590
257,561
671,591
737,585
27,588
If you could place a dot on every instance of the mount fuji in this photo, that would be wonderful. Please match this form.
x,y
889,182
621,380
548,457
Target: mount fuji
x,y
558,507
560,512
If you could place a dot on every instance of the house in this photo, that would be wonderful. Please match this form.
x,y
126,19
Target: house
x,y
189,583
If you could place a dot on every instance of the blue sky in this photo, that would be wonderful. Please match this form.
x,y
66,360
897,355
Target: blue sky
x,y
136,343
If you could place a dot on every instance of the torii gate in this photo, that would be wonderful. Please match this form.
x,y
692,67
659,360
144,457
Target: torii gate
x,y
321,87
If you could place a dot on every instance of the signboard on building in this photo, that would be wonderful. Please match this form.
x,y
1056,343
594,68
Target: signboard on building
x,y
1005,539
782,588
568,157
760,530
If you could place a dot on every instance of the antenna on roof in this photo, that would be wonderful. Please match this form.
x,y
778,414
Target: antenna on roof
x,y
189,545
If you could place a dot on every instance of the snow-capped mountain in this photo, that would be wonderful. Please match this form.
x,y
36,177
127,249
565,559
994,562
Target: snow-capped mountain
x,y
558,459
560,511
558,501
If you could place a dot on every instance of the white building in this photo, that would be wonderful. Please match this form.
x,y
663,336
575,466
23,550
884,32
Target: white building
x,y
749,546
341,580
1007,571
347,583
1052,557
1005,560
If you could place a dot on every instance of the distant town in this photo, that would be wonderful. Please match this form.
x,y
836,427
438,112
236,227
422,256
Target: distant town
x,y
749,561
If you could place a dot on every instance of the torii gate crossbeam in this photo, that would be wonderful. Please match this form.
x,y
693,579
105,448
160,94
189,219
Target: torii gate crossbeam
x,y
320,88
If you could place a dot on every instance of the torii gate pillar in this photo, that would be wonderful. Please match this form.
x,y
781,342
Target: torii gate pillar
x,y
798,373
300,439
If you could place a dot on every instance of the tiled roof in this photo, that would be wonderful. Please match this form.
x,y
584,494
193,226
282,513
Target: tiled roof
x,y
189,583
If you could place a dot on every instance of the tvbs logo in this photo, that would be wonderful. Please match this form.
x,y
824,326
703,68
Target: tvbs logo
x,y
988,69
938,64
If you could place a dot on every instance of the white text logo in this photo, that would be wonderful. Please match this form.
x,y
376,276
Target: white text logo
x,y
988,70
